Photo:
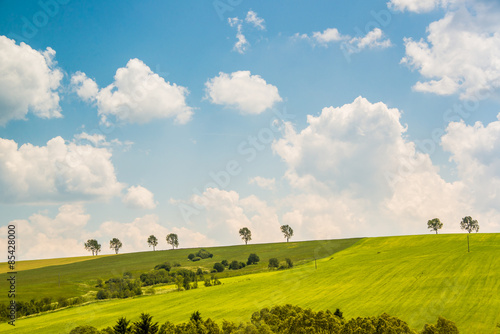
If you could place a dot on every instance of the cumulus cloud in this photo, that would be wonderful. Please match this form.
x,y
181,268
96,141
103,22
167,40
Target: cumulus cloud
x,y
250,94
29,81
255,20
140,198
46,237
55,172
372,40
138,95
328,36
263,182
460,54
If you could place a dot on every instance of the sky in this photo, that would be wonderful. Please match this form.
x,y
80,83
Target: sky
x,y
123,119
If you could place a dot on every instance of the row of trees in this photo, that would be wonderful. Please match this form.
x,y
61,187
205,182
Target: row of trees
x,y
286,319
246,234
468,224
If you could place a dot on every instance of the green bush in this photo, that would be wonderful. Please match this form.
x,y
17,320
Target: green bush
x,y
273,263
234,265
85,329
196,258
191,256
218,267
289,263
253,259
225,263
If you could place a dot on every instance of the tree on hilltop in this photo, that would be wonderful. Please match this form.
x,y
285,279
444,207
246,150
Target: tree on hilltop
x,y
287,231
245,234
115,244
152,241
173,240
434,225
469,225
93,246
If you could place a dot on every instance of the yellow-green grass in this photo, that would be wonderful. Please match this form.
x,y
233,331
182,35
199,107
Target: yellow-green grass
x,y
416,278
35,264
80,278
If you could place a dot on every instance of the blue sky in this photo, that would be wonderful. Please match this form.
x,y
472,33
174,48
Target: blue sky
x,y
126,118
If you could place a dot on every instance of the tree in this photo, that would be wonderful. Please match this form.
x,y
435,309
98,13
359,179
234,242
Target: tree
x,y
434,225
287,231
93,246
145,325
245,234
173,240
469,225
253,259
273,263
115,244
152,241
85,329
122,326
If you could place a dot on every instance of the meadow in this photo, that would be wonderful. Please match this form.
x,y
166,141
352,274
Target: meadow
x,y
416,278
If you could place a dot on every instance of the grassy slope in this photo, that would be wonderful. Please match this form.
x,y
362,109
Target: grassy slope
x,y
35,264
415,278
77,278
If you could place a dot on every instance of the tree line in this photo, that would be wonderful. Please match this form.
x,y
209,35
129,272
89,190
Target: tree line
x,y
286,319
92,245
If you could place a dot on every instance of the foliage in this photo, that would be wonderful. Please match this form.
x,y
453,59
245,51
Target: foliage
x,y
152,241
245,234
85,329
145,325
289,263
122,326
225,263
196,258
219,267
204,254
93,245
191,256
273,263
434,224
120,288
165,265
443,326
287,232
115,244
235,265
173,240
469,224
253,259
338,313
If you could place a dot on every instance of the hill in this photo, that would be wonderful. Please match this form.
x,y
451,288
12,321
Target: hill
x,y
416,278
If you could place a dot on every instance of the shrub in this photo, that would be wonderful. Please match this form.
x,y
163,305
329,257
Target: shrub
x,y
191,256
165,266
339,314
273,263
253,259
204,254
218,267
234,265
102,294
225,263
85,329
242,265
177,264
127,274
289,263
199,272
196,258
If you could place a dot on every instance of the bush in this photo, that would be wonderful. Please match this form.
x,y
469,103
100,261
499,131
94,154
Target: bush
x,y
191,256
204,254
177,264
102,294
199,272
242,265
85,329
234,265
218,267
273,263
289,263
196,258
165,266
225,263
253,259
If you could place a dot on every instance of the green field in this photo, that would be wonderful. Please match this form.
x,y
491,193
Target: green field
x,y
416,278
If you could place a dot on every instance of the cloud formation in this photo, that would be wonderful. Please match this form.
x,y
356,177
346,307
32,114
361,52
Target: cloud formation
x,y
249,94
29,82
139,198
138,95
56,172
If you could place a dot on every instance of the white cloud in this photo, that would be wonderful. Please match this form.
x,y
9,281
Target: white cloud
x,y
461,53
255,20
418,6
264,183
328,36
84,87
95,139
29,81
250,94
372,40
138,95
45,237
242,44
56,172
140,198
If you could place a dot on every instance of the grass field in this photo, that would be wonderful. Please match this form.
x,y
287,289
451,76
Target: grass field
x,y
416,278
73,277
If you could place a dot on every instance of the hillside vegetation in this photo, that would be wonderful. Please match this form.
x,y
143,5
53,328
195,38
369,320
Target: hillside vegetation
x,y
415,278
